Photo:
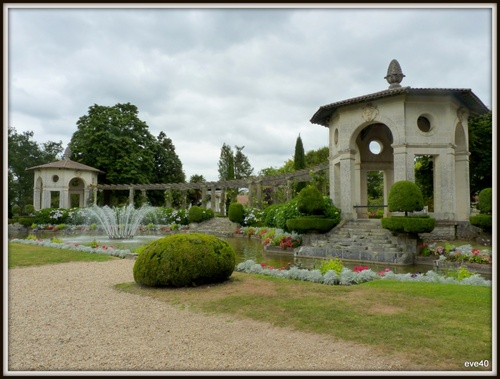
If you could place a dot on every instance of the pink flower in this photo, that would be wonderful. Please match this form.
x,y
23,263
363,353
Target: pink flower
x,y
387,269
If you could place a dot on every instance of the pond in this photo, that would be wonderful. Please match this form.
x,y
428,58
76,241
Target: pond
x,y
245,248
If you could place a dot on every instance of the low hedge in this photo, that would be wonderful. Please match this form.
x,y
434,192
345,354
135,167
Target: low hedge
x,y
482,221
26,221
310,224
198,214
183,260
404,224
236,213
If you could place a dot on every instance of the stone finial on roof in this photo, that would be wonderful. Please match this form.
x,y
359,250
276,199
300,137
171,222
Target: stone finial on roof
x,y
394,74
67,154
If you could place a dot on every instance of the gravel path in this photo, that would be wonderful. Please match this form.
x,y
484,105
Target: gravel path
x,y
68,317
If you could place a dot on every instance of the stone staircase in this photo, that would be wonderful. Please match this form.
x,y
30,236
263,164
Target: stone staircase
x,y
359,240
217,226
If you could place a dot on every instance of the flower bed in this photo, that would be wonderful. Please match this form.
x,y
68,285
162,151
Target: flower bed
x,y
272,237
461,254
360,274
93,247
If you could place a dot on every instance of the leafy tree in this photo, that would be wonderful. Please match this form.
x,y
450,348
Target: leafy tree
x,y
194,196
375,185
424,178
168,167
24,153
226,154
114,140
242,167
316,157
481,156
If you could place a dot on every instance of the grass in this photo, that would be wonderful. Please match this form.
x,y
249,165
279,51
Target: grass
x,y
437,326
30,255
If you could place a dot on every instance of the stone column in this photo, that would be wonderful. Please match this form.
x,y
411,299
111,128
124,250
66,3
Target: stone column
x,y
184,199
204,196
168,198
289,190
400,163
347,184
388,182
223,201
335,181
212,199
131,196
36,198
250,194
64,198
445,184
363,192
45,198
259,195
462,186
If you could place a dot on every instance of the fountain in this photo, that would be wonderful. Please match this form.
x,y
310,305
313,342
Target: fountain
x,y
120,222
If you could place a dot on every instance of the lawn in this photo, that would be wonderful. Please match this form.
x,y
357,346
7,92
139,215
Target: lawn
x,y
437,326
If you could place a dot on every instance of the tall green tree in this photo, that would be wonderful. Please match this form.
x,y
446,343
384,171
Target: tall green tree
x,y
299,162
114,140
23,153
316,157
242,167
481,153
194,195
168,168
226,154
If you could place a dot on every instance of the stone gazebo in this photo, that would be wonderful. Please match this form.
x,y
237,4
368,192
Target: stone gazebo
x,y
68,181
385,131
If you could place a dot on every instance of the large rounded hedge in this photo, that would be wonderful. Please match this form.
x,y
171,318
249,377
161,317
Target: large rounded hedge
x,y
311,224
198,214
405,196
182,260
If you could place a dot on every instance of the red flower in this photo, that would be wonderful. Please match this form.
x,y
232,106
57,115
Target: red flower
x,y
263,264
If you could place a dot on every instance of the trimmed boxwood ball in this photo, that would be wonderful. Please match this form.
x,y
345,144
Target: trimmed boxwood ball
x,y
485,204
310,201
405,196
236,213
182,260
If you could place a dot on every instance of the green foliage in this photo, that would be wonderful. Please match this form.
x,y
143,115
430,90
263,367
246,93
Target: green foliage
x,y
286,212
184,260
242,167
198,214
52,216
481,152
424,178
484,203
233,165
459,274
405,196
308,224
402,224
375,184
236,213
270,215
331,211
332,265
16,210
24,153
29,209
299,162
482,221
26,220
310,201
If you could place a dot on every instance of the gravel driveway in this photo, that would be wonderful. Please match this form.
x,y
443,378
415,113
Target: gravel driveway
x,y
68,317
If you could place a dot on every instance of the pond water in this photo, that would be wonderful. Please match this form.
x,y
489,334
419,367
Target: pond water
x,y
246,249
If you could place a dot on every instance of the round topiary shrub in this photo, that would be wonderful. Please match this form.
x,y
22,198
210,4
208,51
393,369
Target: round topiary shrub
x,y
182,260
236,213
484,203
16,210
405,196
198,214
310,201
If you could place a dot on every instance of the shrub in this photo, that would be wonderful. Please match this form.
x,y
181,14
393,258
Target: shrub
x,y
253,217
52,216
184,260
405,196
16,210
482,221
409,224
26,221
286,212
331,211
198,214
484,203
236,213
335,265
310,201
29,209
270,215
310,224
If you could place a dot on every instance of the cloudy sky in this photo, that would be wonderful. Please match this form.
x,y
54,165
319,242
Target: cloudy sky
x,y
249,77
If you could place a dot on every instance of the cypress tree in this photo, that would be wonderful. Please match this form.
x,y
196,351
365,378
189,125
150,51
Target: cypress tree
x,y
299,162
